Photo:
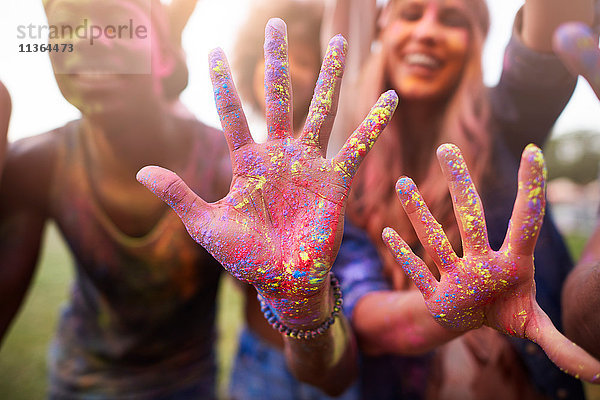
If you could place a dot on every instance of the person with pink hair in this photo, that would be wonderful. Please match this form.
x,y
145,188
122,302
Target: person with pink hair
x,y
430,52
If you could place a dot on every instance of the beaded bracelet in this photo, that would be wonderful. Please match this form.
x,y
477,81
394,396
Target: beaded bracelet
x,y
308,333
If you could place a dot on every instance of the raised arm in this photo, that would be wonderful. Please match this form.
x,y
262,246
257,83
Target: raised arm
x,y
20,236
356,20
486,287
280,226
180,12
534,87
541,18
577,46
23,190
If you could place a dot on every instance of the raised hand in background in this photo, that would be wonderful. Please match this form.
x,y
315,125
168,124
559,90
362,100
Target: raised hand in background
x,y
486,287
577,47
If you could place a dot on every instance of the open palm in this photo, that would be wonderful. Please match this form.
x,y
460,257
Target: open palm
x,y
280,226
486,287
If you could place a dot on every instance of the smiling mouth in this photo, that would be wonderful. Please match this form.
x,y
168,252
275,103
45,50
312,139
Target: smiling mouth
x,y
422,60
95,75
94,80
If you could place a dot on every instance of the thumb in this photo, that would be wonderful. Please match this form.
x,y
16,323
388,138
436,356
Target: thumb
x,y
568,356
171,189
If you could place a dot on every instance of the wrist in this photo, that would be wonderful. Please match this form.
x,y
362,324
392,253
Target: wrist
x,y
299,305
304,318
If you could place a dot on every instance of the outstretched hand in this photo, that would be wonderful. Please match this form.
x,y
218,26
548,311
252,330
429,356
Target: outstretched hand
x,y
577,47
281,224
486,287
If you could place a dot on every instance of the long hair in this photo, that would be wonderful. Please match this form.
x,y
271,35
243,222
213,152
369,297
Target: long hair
x,y
373,203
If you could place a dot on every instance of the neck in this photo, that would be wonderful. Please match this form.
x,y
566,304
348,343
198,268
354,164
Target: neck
x,y
421,125
422,115
130,141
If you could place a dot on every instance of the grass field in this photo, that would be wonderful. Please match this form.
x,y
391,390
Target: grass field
x,y
23,353
22,357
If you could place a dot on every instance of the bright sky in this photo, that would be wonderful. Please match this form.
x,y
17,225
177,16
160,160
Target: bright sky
x,y
38,105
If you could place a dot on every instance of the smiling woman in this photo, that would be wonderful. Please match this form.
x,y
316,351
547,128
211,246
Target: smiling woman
x,y
430,52
29,76
144,294
416,69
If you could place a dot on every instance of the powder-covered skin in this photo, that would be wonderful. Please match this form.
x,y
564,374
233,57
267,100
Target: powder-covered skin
x,y
281,224
577,46
486,287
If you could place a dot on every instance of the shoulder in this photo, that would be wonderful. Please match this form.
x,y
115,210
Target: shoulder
x,y
28,168
199,133
211,137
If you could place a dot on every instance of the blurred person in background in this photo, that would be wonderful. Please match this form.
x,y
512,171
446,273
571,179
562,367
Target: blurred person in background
x,y
140,319
430,51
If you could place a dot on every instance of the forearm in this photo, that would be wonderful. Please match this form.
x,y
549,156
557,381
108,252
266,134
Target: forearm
x,y
542,17
581,298
581,301
328,361
525,104
19,249
336,19
356,21
397,322
319,350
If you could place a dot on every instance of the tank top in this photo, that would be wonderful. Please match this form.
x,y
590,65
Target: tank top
x,y
140,319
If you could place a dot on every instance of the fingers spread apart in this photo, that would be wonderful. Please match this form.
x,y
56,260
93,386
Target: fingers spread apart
x,y
412,265
362,139
428,230
467,204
